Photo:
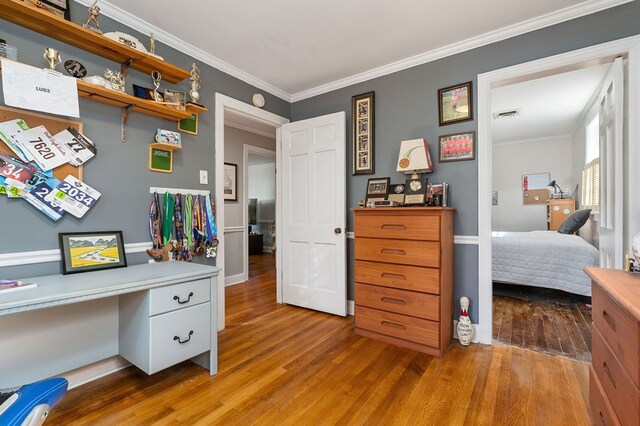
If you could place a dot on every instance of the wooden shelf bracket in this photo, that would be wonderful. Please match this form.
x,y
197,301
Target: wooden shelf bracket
x,y
123,122
124,67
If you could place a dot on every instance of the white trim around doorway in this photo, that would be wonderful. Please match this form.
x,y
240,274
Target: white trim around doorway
x,y
225,103
627,47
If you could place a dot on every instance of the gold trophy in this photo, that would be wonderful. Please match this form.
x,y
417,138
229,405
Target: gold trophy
x,y
194,81
94,12
53,57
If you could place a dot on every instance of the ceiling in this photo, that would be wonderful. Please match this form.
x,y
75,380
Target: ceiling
x,y
297,49
549,106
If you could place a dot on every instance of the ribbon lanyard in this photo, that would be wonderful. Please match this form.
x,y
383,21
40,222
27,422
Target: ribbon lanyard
x,y
211,221
198,230
178,220
167,218
188,219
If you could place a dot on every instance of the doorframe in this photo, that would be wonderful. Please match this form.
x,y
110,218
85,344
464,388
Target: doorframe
x,y
225,103
246,150
628,47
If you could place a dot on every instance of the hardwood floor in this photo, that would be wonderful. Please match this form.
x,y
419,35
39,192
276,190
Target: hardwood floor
x,y
286,365
543,320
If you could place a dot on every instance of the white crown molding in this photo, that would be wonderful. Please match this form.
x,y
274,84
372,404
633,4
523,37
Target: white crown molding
x,y
140,25
44,256
553,18
504,33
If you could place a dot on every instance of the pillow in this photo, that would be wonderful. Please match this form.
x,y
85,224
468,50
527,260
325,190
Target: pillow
x,y
574,222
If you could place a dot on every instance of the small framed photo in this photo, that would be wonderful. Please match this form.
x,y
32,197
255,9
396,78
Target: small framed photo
x,y
363,111
230,182
455,103
141,92
378,189
91,251
457,147
396,192
175,99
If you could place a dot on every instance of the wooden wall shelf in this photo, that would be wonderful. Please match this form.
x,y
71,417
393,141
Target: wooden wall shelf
x,y
196,109
123,100
166,146
35,19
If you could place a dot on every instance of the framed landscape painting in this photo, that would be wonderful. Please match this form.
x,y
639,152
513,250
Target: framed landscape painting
x,y
91,251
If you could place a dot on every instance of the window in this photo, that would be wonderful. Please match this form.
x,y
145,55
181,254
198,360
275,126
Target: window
x,y
591,171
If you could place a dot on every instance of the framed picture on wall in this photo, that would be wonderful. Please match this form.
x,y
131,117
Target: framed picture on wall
x,y
230,182
455,103
457,147
91,251
363,123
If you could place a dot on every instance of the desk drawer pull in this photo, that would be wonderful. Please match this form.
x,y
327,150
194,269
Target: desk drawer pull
x,y
609,320
394,276
386,226
393,325
606,370
182,302
183,341
392,300
393,251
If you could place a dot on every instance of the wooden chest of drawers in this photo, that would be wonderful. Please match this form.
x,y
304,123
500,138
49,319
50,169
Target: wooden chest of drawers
x,y
404,276
614,389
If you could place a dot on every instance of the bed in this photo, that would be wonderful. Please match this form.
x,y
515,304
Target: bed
x,y
543,259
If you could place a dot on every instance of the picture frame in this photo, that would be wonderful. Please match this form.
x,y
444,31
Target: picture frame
x,y
160,160
141,92
175,99
189,124
455,103
363,124
230,182
91,251
58,8
396,193
457,147
378,189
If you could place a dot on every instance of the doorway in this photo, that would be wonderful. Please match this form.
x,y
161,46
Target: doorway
x,y
227,107
628,48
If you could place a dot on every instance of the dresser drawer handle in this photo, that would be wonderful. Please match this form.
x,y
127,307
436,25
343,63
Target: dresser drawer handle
x,y
606,370
393,251
609,320
394,276
182,302
183,341
392,300
393,325
393,227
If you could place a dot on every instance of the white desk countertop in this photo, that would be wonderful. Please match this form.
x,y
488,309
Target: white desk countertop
x,y
57,290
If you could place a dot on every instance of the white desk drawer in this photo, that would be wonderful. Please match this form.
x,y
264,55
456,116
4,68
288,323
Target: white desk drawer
x,y
178,336
178,296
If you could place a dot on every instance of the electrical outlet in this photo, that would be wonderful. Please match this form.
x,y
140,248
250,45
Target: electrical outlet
x,y
204,177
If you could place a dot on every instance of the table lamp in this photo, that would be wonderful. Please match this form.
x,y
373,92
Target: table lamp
x,y
553,186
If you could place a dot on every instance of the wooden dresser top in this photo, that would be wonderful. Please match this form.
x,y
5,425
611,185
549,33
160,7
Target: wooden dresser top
x,y
623,287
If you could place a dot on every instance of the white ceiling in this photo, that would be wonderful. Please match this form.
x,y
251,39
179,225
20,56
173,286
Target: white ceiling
x,y
549,106
296,49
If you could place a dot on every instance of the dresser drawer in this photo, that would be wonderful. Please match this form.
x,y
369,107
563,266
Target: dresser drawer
x,y
619,329
405,277
601,410
178,296
622,393
178,336
418,253
404,302
400,326
415,227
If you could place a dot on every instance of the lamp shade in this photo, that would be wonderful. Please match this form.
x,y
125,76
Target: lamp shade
x,y
552,185
414,155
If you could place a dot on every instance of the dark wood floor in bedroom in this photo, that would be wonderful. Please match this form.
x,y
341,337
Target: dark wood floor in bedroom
x,y
543,320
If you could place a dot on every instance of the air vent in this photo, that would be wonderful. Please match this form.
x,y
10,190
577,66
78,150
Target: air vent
x,y
512,113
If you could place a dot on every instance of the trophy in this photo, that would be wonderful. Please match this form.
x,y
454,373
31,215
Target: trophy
x,y
116,80
156,76
94,11
53,57
194,81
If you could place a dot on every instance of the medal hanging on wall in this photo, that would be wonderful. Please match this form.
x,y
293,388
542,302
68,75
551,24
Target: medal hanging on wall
x,y
188,224
155,227
212,241
198,227
180,253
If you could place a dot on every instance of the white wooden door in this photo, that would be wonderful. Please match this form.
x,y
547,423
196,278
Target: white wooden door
x,y
611,114
312,240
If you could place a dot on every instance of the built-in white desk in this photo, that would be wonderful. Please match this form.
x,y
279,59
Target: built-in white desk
x,y
154,315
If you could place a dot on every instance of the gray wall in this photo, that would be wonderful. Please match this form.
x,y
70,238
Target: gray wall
x,y
119,170
406,108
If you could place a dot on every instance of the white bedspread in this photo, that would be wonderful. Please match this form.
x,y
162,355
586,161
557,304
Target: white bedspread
x,y
543,259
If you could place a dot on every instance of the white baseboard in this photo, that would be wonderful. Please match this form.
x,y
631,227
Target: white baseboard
x,y
235,279
267,249
351,307
474,339
94,371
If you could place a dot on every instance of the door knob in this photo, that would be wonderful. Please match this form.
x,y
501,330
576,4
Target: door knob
x,y
338,230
